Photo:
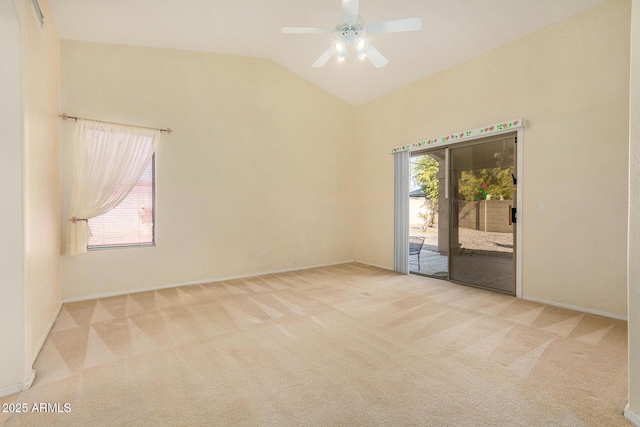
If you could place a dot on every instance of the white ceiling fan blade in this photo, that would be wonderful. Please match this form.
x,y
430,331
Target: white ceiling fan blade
x,y
350,11
306,30
376,57
324,58
407,24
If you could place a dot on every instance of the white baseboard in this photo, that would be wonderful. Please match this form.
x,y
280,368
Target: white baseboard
x,y
198,282
575,308
38,348
29,381
375,265
17,388
542,301
13,389
631,416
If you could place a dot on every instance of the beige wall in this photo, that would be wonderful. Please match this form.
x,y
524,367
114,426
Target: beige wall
x,y
633,410
571,82
41,103
30,186
260,159
12,365
246,127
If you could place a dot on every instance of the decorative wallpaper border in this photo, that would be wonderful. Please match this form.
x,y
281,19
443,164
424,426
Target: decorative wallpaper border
x,y
468,134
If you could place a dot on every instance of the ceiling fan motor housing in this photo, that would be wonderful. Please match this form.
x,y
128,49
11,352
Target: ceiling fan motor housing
x,y
350,31
351,28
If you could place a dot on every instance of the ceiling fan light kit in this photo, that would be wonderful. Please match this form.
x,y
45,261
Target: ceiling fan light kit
x,y
351,28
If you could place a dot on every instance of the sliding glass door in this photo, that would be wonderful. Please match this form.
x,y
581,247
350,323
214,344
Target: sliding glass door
x,y
462,213
429,215
482,220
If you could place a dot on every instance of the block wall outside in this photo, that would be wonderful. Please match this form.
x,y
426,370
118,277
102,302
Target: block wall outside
x,y
486,215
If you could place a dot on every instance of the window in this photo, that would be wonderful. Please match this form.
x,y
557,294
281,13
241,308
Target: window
x,y
131,223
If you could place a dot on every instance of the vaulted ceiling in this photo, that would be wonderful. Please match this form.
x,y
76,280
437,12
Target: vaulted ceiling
x,y
452,31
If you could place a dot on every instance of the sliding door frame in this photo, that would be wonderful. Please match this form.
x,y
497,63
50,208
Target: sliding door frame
x,y
519,193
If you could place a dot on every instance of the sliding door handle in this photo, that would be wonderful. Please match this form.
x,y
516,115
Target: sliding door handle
x,y
512,215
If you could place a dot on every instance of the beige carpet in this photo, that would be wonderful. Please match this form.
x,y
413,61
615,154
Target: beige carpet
x,y
344,345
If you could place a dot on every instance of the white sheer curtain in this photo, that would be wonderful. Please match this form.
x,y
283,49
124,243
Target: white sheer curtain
x,y
110,160
401,209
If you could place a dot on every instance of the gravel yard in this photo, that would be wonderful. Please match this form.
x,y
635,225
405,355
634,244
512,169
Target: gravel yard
x,y
470,239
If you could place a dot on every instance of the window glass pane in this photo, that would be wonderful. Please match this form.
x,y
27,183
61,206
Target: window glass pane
x,y
131,222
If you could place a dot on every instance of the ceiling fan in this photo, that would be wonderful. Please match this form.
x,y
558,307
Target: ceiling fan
x,y
351,28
